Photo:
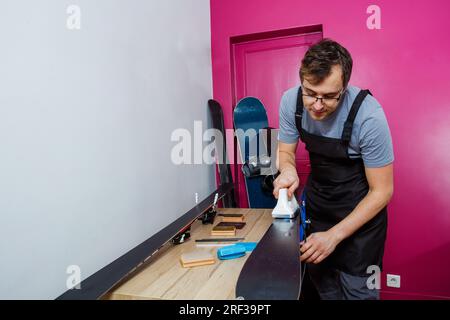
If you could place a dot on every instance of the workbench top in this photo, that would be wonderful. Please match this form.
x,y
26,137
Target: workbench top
x,y
165,278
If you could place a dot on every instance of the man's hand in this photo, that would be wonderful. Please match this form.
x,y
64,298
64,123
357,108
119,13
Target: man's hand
x,y
287,179
318,246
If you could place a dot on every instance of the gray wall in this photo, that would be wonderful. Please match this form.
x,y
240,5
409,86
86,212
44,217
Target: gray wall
x,y
86,118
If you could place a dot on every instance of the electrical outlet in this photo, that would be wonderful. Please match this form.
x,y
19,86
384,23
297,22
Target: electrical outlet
x,y
393,281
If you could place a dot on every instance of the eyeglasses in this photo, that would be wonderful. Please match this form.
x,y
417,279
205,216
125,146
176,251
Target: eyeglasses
x,y
324,100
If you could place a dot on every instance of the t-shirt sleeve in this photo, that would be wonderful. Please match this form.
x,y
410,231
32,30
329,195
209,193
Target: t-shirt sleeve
x,y
376,141
288,131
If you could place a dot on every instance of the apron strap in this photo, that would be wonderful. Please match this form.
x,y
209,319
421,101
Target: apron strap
x,y
348,125
299,112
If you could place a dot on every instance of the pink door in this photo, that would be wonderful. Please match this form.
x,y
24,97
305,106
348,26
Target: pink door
x,y
265,68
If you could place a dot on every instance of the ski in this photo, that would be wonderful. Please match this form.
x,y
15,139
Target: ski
x,y
273,270
223,165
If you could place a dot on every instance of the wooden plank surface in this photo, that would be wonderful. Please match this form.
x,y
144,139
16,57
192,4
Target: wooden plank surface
x,y
165,278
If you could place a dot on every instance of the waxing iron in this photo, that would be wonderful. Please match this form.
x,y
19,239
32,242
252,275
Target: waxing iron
x,y
285,208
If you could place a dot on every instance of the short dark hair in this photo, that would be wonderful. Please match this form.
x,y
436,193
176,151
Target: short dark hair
x,y
320,57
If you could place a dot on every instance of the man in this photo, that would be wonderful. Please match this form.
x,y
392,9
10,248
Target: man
x,y
351,181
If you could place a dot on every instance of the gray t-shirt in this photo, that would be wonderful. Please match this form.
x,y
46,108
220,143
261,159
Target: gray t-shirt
x,y
371,139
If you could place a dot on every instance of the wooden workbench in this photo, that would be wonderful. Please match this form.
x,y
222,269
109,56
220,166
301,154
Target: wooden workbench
x,y
164,278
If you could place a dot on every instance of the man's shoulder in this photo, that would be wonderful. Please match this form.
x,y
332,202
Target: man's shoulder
x,y
289,100
370,106
291,93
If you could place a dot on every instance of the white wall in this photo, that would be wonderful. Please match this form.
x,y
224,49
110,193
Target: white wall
x,y
85,124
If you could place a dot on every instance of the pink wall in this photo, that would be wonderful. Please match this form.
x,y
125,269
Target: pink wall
x,y
406,66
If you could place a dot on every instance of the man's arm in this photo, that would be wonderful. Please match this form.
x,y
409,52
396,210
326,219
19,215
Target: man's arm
x,y
288,177
381,187
286,156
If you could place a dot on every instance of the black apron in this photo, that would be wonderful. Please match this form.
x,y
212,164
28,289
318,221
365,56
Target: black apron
x,y
334,188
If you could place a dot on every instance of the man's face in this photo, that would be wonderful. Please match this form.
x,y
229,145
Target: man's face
x,y
329,89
